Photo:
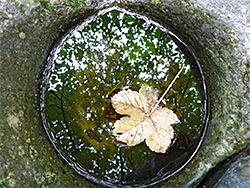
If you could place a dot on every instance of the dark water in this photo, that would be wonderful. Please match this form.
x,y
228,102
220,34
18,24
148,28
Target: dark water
x,y
108,52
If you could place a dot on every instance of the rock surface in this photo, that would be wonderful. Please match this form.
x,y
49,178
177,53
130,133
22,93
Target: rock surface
x,y
218,31
237,175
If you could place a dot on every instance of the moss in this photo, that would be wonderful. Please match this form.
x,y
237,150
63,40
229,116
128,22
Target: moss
x,y
46,5
4,182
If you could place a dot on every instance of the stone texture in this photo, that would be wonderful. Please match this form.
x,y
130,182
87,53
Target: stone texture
x,y
218,31
237,175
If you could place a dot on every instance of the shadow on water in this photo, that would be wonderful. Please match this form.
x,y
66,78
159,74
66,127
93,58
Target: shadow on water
x,y
165,164
110,51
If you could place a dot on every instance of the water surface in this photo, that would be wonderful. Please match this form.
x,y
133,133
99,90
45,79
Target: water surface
x,y
110,51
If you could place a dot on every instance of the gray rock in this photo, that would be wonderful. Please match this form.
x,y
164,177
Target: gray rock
x,y
237,175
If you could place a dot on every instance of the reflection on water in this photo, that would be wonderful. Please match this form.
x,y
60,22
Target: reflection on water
x,y
108,52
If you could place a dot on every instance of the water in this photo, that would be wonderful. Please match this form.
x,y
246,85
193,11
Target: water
x,y
112,50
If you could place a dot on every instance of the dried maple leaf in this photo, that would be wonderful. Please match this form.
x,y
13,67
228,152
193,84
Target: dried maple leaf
x,y
144,121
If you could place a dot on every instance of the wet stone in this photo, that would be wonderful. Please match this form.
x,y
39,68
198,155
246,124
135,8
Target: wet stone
x,y
237,175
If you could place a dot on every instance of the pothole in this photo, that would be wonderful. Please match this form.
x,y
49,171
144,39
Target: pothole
x,y
111,51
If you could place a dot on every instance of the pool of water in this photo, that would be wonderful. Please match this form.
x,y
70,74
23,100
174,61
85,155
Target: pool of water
x,y
110,51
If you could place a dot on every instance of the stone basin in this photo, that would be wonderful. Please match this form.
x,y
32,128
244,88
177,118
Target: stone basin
x,y
218,32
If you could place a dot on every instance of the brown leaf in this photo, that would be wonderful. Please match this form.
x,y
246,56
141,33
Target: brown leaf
x,y
141,122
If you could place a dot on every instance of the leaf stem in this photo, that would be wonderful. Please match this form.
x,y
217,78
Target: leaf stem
x,y
116,86
169,86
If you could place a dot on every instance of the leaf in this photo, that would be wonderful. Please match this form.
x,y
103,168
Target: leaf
x,y
143,121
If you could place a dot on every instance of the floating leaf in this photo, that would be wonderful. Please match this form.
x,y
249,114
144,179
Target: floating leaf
x,y
143,120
